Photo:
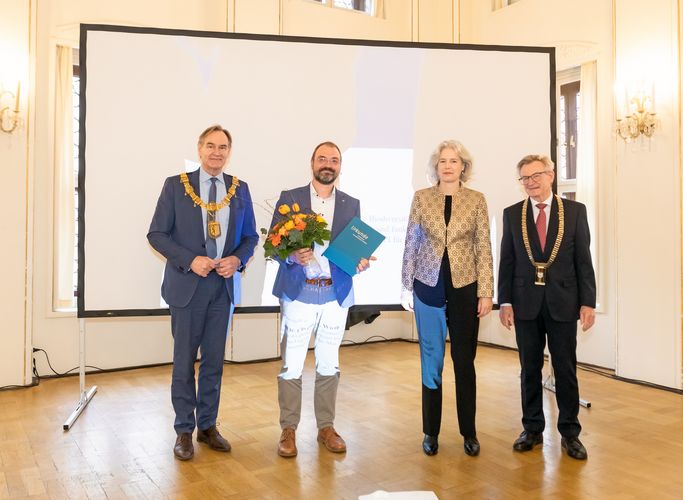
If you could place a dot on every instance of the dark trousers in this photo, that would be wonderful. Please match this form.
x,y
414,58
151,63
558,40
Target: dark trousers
x,y
531,336
460,316
203,323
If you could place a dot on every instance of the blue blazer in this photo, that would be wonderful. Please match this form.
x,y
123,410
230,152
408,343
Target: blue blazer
x,y
290,278
177,233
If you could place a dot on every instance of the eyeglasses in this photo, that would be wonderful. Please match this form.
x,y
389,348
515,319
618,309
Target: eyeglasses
x,y
533,177
325,159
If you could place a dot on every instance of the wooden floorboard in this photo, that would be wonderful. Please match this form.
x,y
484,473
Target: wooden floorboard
x,y
121,446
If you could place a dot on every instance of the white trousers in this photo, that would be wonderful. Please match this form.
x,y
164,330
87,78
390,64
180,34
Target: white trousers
x,y
299,320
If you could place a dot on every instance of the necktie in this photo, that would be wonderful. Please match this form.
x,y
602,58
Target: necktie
x,y
211,248
541,225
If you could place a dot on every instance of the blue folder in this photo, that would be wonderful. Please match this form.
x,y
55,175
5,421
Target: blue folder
x,y
357,240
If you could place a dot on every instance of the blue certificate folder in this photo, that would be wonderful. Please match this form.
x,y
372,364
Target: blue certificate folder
x,y
357,240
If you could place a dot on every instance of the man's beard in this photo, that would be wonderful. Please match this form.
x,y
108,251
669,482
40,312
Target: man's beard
x,y
325,176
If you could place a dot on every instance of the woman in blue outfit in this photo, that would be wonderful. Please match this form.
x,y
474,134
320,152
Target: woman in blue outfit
x,y
447,278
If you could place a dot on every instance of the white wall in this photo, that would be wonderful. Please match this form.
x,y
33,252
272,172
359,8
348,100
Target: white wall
x,y
16,195
648,201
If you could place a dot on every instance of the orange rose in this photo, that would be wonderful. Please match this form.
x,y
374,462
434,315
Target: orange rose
x,y
301,225
275,240
283,209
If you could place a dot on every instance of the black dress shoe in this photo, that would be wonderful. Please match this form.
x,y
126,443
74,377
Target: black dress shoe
x,y
527,440
212,437
430,444
472,446
574,448
183,449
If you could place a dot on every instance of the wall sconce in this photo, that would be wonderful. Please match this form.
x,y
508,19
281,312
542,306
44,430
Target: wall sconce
x,y
637,116
9,109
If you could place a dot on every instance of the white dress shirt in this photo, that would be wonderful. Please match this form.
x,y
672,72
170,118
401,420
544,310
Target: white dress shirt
x,y
325,208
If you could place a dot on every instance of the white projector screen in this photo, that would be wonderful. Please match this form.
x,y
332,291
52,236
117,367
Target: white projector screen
x,y
146,95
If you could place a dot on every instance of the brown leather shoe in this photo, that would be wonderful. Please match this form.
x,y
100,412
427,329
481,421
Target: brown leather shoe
x,y
332,441
183,449
212,437
287,445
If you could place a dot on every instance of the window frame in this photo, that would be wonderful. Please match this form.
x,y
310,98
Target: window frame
x,y
566,188
65,233
362,6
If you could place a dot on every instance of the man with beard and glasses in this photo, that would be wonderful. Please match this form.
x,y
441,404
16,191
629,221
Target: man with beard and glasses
x,y
314,304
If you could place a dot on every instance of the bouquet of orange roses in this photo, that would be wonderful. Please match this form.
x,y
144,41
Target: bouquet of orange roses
x,y
295,231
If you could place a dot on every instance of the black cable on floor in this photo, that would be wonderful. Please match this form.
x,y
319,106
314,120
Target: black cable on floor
x,y
56,373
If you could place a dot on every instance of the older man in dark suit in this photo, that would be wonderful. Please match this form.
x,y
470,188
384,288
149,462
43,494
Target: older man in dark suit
x,y
204,225
546,283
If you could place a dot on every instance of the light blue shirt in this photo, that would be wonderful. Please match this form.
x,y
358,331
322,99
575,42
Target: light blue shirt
x,y
223,215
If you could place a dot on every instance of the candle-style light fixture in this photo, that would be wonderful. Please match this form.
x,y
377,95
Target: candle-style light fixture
x,y
9,109
637,117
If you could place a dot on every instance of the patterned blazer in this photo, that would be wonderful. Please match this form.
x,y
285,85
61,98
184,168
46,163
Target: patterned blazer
x,y
467,239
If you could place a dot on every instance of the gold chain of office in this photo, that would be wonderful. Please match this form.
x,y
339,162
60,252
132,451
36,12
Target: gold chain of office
x,y
211,206
542,266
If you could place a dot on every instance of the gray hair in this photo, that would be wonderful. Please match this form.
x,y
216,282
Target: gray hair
x,y
549,165
461,151
211,130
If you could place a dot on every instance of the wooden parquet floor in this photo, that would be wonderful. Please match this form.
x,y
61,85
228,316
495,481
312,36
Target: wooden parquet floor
x,y
121,447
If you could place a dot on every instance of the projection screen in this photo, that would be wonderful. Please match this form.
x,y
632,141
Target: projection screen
x,y
146,94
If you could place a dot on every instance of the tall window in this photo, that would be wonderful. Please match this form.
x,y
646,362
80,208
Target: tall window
x,y
577,153
360,5
76,86
569,109
65,212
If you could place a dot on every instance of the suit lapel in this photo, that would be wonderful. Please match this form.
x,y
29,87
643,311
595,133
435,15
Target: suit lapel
x,y
338,217
304,198
234,204
553,228
196,211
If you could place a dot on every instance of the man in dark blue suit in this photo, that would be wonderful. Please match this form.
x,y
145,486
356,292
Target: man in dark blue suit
x,y
204,225
545,284
314,299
